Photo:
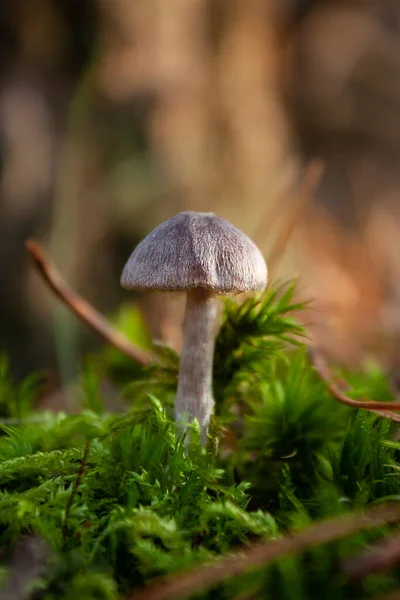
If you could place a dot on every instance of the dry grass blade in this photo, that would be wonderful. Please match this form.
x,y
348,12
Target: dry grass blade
x,y
82,309
312,177
384,409
259,555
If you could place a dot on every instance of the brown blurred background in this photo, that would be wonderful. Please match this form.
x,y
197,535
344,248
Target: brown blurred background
x,y
115,115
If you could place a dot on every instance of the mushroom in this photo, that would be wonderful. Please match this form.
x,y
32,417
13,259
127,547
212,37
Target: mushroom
x,y
205,256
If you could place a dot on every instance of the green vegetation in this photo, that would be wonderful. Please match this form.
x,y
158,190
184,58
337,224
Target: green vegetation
x,y
140,506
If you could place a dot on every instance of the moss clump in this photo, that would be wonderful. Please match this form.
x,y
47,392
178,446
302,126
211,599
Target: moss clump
x,y
141,506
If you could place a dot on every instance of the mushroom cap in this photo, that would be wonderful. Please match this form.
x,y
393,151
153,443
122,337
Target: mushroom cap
x,y
193,250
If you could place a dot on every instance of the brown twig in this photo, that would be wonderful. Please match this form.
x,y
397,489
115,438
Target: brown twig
x,y
259,555
77,482
82,309
380,558
380,408
311,179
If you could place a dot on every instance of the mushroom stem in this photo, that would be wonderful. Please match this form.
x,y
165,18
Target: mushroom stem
x,y
194,397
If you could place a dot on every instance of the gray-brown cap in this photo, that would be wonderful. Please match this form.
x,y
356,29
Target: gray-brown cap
x,y
196,250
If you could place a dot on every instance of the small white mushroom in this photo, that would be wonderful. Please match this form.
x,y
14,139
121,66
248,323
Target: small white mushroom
x,y
205,256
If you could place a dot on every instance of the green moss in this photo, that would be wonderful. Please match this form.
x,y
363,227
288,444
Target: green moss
x,y
144,507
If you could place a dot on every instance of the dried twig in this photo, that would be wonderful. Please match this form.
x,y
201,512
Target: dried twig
x,y
380,408
311,179
77,482
259,555
82,309
379,558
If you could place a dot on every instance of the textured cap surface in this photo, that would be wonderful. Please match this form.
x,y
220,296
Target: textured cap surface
x,y
196,250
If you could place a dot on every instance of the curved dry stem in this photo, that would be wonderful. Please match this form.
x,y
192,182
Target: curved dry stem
x,y
384,409
82,309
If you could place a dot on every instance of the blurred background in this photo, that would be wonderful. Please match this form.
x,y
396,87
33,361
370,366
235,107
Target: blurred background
x,y
115,115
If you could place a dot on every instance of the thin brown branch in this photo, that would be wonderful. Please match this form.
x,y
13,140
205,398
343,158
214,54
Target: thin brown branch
x,y
82,309
385,409
77,482
380,558
311,179
260,555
